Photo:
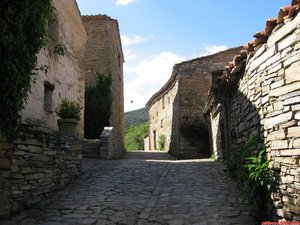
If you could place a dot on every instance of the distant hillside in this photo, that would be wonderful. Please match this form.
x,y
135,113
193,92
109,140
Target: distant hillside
x,y
136,117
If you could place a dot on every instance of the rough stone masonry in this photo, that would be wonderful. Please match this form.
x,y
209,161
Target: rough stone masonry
x,y
265,99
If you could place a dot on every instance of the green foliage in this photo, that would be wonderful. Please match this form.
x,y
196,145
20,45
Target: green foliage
x,y
254,177
237,160
162,142
98,101
68,110
259,171
213,156
134,137
22,35
136,117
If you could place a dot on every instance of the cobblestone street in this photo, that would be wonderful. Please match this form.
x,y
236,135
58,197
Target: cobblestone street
x,y
144,188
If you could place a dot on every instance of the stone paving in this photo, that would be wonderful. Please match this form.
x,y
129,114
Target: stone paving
x,y
144,188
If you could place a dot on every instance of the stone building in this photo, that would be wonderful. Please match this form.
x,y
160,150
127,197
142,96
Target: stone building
x,y
64,58
42,160
259,94
104,56
176,110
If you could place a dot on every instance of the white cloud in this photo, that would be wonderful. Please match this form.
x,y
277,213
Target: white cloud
x,y
128,40
129,55
147,77
208,49
124,2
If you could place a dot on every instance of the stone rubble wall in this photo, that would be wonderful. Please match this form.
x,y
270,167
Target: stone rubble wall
x,y
104,56
91,148
161,120
183,98
40,162
267,101
195,83
110,144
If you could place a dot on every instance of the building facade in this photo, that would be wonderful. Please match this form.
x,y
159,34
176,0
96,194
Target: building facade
x,y
104,56
42,160
258,97
64,58
176,110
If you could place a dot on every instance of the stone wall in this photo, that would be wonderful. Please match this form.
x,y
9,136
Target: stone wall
x,y
146,142
161,121
181,100
104,56
41,161
266,101
195,84
65,76
110,144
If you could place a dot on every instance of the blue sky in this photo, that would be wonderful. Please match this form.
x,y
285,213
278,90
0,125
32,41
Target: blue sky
x,y
156,34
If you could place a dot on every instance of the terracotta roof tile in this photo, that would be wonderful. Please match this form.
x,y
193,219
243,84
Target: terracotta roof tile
x,y
295,2
260,40
259,34
285,12
270,25
239,61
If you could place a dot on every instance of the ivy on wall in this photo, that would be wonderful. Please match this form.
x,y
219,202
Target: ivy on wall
x,y
98,101
22,35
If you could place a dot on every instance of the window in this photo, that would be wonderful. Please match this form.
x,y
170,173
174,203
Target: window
x,y
163,102
162,123
48,90
169,101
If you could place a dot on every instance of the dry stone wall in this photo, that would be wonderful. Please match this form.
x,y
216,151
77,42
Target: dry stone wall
x,y
266,101
110,144
41,161
181,100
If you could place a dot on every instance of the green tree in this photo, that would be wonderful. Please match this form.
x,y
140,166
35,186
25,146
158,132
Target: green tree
x,y
22,35
134,137
98,100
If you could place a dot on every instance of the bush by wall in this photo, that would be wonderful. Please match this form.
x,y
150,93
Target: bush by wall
x,y
22,35
254,177
98,101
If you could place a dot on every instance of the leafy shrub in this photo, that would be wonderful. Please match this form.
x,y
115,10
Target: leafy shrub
x,y
98,101
22,35
259,171
254,177
162,141
134,137
68,110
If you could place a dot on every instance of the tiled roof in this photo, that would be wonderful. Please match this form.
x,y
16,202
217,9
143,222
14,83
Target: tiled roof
x,y
285,14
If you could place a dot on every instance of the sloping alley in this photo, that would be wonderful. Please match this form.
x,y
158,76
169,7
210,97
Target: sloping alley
x,y
144,188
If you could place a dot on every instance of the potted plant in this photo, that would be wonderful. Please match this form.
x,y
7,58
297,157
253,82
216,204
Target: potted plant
x,y
69,112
